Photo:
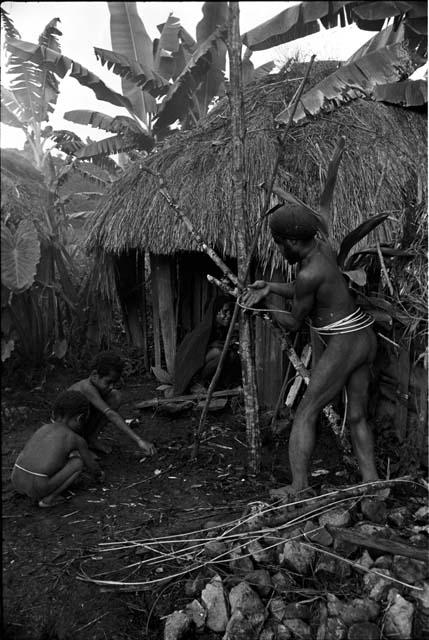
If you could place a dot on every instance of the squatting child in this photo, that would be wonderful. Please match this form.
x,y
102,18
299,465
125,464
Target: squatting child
x,y
55,454
105,401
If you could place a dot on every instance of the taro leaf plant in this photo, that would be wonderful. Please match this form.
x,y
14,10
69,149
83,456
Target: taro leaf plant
x,y
39,290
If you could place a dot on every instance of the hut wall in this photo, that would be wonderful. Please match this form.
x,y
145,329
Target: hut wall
x,y
163,284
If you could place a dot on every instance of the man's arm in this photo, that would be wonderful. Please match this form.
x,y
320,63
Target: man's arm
x,y
260,289
303,302
112,416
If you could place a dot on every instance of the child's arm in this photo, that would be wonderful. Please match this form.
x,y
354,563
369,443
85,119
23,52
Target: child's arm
x,y
87,457
112,416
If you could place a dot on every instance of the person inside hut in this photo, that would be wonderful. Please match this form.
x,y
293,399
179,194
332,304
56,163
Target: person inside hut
x,y
321,296
199,352
56,454
105,401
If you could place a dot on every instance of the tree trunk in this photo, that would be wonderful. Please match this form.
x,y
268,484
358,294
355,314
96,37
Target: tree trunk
x,y
238,173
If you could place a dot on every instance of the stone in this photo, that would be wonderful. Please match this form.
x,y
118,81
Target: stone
x,y
214,601
277,608
365,560
375,586
212,527
383,562
197,613
193,587
215,548
397,516
297,610
327,567
363,631
247,614
374,510
334,605
267,633
409,570
398,620
335,518
318,535
297,557
298,628
359,610
260,580
239,563
281,583
421,614
335,629
176,625
422,515
258,552
282,633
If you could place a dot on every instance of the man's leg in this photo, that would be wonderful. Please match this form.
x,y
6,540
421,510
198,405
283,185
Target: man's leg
x,y
343,355
61,480
360,431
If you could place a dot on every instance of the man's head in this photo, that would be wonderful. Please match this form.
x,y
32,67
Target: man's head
x,y
292,226
106,369
71,408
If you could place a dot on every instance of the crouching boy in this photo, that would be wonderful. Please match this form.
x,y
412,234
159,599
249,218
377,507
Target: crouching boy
x,y
105,401
55,454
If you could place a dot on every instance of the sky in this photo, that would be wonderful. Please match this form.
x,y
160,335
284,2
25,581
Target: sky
x,y
85,25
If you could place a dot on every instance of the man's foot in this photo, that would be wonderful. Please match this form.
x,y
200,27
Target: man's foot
x,y
47,502
289,494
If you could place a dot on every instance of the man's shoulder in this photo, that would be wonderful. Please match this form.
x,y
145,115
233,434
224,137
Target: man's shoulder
x,y
85,387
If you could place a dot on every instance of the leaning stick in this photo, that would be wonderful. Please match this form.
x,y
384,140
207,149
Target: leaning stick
x,y
184,218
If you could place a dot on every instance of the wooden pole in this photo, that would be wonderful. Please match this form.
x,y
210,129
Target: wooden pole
x,y
238,172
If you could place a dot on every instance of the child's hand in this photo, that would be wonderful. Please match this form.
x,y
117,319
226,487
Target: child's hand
x,y
147,447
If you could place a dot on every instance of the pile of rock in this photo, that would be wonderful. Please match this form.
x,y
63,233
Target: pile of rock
x,y
280,584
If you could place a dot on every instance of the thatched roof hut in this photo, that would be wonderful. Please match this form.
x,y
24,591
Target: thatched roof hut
x,y
383,168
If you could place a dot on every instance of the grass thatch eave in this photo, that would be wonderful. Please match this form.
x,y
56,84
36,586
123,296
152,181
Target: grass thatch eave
x,y
386,149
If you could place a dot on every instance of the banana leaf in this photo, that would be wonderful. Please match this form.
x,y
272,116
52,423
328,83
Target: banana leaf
x,y
130,38
408,93
118,124
355,80
215,15
8,25
20,255
167,46
67,141
179,97
117,144
11,108
357,235
50,86
126,68
61,65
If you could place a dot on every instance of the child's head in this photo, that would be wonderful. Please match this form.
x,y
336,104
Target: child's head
x,y
72,408
106,369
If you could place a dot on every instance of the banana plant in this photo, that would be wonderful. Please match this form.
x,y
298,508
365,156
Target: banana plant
x,y
379,69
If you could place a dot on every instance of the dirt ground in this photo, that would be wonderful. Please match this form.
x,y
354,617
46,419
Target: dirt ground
x,y
47,552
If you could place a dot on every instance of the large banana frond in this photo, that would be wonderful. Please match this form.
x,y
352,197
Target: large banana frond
x,y
48,38
167,47
67,141
303,19
354,80
61,65
215,15
117,124
11,111
8,26
179,97
142,76
408,93
116,144
130,38
18,169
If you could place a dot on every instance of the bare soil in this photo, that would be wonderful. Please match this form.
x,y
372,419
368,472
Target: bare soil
x,y
47,552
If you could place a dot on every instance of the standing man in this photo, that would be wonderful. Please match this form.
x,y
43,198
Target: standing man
x,y
320,294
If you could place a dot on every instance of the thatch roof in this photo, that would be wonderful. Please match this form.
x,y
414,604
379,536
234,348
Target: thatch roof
x,y
386,149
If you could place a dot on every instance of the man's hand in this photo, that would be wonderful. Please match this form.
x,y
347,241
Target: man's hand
x,y
147,447
255,293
